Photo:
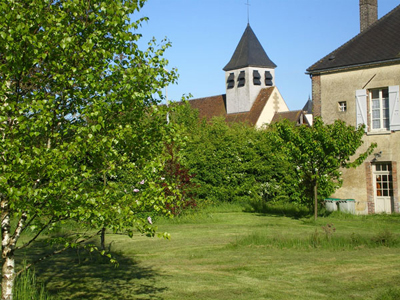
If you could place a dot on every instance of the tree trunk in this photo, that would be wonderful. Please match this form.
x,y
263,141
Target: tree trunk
x,y
103,238
7,254
315,200
8,245
8,277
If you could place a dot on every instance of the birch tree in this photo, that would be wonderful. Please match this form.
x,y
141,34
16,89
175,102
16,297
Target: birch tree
x,y
81,137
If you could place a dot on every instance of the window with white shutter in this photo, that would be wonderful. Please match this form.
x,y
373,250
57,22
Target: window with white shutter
x,y
361,108
379,109
394,106
382,113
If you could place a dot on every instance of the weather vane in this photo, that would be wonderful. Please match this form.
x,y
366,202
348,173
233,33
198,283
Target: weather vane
x,y
248,11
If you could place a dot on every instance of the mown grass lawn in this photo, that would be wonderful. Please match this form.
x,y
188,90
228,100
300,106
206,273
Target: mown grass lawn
x,y
230,254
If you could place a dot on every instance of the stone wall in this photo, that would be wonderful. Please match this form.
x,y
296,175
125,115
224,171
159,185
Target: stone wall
x,y
341,86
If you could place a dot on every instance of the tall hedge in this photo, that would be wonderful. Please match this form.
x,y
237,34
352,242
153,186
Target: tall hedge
x,y
232,162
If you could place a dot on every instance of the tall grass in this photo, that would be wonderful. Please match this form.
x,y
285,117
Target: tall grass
x,y
27,288
322,239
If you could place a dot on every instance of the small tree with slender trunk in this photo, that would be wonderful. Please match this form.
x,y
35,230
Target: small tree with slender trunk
x,y
317,154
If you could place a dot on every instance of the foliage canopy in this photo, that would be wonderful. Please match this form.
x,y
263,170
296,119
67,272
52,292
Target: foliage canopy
x,y
232,162
82,138
318,153
280,162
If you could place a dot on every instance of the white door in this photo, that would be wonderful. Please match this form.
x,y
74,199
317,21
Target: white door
x,y
383,188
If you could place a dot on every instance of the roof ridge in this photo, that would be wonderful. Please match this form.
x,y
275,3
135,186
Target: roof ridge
x,y
331,55
219,95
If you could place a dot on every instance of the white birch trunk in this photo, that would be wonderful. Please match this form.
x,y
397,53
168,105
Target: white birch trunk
x,y
8,245
8,277
7,254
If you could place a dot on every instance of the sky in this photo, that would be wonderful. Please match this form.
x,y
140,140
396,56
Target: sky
x,y
294,33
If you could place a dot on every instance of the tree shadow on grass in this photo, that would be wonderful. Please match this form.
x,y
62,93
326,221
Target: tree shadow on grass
x,y
79,274
290,211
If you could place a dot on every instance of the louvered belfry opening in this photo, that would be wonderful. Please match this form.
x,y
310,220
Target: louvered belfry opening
x,y
245,73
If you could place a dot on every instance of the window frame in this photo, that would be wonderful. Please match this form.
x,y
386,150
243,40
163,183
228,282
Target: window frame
x,y
383,179
342,106
363,110
382,109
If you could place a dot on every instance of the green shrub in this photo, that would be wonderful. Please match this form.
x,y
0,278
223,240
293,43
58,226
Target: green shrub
x,y
384,238
232,162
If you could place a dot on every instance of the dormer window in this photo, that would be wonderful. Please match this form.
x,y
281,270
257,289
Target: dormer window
x,y
268,78
241,79
256,78
231,81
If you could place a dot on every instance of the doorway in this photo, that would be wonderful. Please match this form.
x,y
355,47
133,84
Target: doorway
x,y
383,188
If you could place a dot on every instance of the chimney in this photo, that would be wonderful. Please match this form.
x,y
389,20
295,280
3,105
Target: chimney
x,y
368,13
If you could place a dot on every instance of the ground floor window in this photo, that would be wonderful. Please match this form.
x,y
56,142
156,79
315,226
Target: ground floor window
x,y
383,180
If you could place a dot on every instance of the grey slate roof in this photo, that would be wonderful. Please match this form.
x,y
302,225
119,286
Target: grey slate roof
x,y
249,53
308,107
379,43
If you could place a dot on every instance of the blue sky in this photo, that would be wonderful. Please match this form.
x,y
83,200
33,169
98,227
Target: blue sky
x,y
294,33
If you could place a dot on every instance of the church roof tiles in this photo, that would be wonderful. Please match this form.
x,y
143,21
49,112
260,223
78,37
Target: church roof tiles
x,y
215,106
249,53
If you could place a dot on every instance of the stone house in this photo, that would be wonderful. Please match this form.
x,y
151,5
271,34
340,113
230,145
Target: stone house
x,y
359,83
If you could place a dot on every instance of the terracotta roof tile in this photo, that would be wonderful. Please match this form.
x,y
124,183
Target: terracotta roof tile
x,y
292,116
209,107
215,106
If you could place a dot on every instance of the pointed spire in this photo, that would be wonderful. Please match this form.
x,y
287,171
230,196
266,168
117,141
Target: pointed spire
x,y
248,12
309,105
249,53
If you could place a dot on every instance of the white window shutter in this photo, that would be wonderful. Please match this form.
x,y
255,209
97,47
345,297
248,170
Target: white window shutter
x,y
361,108
394,116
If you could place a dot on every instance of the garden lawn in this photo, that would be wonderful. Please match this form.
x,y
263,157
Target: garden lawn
x,y
239,255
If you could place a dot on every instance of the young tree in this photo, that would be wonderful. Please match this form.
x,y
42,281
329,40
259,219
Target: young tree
x,y
317,154
81,138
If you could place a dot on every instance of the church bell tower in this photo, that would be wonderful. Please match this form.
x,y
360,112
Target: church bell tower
x,y
248,71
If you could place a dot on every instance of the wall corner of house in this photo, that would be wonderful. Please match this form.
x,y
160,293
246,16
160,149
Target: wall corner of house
x,y
370,190
316,95
395,187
